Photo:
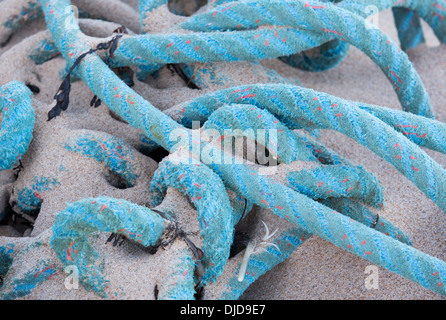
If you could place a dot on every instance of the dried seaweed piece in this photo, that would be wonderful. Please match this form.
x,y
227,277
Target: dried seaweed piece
x,y
95,101
62,96
33,88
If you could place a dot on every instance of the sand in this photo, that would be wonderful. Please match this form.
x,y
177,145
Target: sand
x,y
316,270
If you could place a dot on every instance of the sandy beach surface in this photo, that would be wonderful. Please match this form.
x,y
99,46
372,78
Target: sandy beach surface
x,y
316,270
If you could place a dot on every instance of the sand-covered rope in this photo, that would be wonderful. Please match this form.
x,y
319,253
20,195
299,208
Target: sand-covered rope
x,y
352,236
180,215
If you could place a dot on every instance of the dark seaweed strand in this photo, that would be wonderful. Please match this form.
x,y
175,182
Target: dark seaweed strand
x,y
62,96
